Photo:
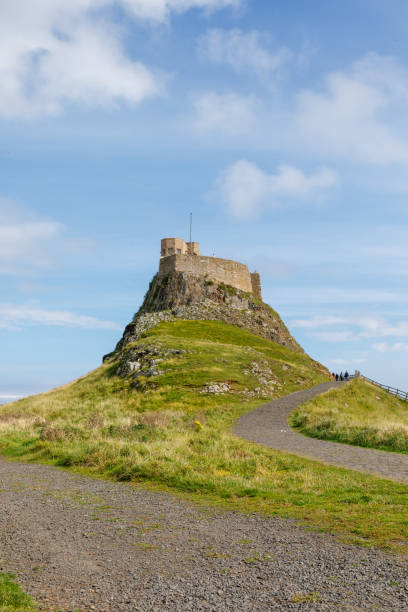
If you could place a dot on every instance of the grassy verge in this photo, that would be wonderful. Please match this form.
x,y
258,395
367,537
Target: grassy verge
x,y
172,435
359,413
12,598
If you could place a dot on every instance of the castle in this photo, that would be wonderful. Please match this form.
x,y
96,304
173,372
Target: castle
x,y
193,287
176,255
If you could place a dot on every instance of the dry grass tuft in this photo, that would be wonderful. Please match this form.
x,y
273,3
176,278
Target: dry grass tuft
x,y
156,419
50,433
96,421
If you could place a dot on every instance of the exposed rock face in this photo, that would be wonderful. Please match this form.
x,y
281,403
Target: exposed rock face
x,y
184,296
142,362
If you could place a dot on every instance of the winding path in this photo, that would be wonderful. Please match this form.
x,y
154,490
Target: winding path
x,y
268,425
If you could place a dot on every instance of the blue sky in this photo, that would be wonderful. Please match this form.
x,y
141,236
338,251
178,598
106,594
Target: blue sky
x,y
281,126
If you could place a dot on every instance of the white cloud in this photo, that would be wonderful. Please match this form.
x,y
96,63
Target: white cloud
x,y
241,51
376,327
229,112
359,114
369,326
380,346
245,189
334,336
18,241
12,317
333,295
25,238
383,347
55,53
340,361
159,10
28,242
318,321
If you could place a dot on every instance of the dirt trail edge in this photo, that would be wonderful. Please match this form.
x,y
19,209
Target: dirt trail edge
x,y
268,425
76,543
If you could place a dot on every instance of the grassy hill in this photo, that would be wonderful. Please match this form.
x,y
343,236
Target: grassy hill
x,y
160,423
359,413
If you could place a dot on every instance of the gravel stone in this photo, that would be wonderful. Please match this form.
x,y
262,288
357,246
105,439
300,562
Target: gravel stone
x,y
76,543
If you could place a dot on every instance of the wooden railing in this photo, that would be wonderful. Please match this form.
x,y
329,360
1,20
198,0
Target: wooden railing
x,y
397,392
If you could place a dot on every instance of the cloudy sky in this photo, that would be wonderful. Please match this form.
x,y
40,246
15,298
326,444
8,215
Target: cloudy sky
x,y
281,125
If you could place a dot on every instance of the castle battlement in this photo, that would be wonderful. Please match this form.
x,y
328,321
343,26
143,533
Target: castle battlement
x,y
180,256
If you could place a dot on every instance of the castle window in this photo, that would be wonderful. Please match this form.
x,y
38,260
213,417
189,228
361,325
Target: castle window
x,y
163,251
170,251
178,251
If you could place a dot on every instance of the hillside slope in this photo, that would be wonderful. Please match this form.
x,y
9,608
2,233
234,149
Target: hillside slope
x,y
358,413
161,412
177,373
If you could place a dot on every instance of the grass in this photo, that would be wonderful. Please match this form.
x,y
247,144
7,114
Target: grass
x,y
12,598
102,425
313,597
359,413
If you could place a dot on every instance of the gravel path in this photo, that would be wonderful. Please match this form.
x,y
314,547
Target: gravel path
x,y
268,425
77,543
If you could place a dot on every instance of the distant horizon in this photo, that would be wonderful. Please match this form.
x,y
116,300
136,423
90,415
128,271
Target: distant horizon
x,y
7,398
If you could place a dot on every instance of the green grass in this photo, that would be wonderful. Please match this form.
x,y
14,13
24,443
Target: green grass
x,y
359,413
12,598
102,425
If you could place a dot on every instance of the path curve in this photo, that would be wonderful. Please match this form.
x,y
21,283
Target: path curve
x,y
268,425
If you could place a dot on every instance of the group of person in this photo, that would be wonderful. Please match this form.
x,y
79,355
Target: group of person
x,y
340,376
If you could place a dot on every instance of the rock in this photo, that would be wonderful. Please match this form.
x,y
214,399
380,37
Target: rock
x,y
188,297
134,366
152,372
216,388
142,360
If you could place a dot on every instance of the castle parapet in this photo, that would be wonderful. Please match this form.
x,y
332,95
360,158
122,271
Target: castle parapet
x,y
219,270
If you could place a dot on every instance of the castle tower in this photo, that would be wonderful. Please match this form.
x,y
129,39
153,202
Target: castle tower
x,y
193,248
177,246
256,285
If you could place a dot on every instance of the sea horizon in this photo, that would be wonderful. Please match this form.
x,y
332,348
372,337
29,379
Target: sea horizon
x,y
7,398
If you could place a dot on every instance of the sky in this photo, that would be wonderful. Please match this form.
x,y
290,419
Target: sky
x,y
282,126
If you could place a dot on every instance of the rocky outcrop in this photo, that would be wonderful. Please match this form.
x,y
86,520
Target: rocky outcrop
x,y
141,362
185,296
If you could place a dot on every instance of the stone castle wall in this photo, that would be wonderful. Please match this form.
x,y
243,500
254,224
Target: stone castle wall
x,y
256,285
220,270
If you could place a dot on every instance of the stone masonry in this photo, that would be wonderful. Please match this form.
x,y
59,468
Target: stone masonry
x,y
232,273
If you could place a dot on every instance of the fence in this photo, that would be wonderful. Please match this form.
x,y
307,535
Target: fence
x,y
397,392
